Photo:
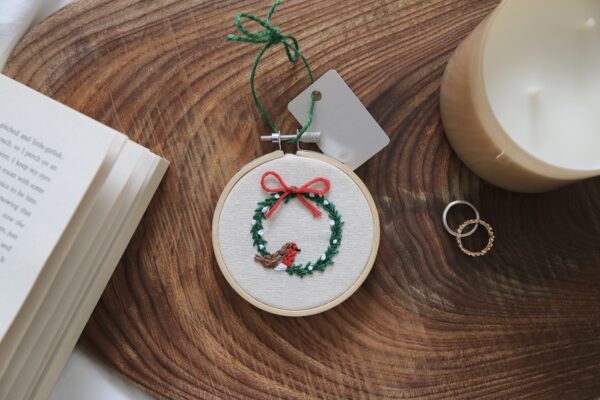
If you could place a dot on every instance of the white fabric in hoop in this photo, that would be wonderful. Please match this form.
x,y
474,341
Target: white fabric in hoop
x,y
294,222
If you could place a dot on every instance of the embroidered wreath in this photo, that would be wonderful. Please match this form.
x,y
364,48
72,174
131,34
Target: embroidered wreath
x,y
283,259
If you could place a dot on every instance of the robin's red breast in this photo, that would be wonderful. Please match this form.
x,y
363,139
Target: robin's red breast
x,y
282,259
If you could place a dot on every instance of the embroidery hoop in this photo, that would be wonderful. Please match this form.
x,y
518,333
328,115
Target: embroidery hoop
x,y
308,311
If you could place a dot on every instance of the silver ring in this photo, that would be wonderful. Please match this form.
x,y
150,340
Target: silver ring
x,y
445,220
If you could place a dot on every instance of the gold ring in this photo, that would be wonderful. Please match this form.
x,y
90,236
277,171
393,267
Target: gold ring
x,y
488,247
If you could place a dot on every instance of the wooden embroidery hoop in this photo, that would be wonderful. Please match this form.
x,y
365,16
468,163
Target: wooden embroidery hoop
x,y
279,311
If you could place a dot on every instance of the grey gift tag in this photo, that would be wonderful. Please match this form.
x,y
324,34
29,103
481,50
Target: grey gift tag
x,y
348,132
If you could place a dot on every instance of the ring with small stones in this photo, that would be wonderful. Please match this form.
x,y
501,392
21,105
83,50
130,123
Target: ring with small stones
x,y
460,235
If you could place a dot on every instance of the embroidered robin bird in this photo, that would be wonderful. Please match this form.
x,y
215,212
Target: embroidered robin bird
x,y
282,259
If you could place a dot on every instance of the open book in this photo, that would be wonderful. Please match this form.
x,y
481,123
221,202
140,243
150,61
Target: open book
x,y
72,192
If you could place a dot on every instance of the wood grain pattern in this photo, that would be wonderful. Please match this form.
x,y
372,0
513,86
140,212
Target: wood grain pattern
x,y
523,322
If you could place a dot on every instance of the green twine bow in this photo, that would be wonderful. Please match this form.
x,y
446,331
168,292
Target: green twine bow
x,y
270,36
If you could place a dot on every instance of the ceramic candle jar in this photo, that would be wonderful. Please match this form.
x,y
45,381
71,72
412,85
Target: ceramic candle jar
x,y
520,98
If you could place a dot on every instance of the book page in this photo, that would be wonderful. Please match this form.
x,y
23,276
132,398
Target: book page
x,y
40,388
49,155
106,207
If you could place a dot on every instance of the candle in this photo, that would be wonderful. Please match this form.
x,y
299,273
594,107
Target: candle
x,y
520,98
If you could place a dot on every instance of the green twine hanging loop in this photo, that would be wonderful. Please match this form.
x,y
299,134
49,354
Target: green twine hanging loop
x,y
270,36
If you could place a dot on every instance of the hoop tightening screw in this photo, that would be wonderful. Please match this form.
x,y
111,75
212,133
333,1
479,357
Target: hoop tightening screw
x,y
307,137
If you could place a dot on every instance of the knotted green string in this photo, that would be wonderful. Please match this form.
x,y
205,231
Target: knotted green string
x,y
270,36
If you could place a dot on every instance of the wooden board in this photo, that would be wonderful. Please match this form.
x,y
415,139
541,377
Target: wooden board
x,y
523,322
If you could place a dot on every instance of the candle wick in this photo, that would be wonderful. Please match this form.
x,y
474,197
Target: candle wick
x,y
534,92
588,24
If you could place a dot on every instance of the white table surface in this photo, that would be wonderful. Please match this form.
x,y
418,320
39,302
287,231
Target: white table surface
x,y
85,378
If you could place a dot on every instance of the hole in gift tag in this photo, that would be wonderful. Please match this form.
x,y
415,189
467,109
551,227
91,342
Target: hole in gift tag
x,y
317,95
344,122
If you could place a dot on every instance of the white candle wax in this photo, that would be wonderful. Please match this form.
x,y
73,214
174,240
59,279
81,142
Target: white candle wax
x,y
541,73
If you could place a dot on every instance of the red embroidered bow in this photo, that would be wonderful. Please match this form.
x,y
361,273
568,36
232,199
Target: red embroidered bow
x,y
287,190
